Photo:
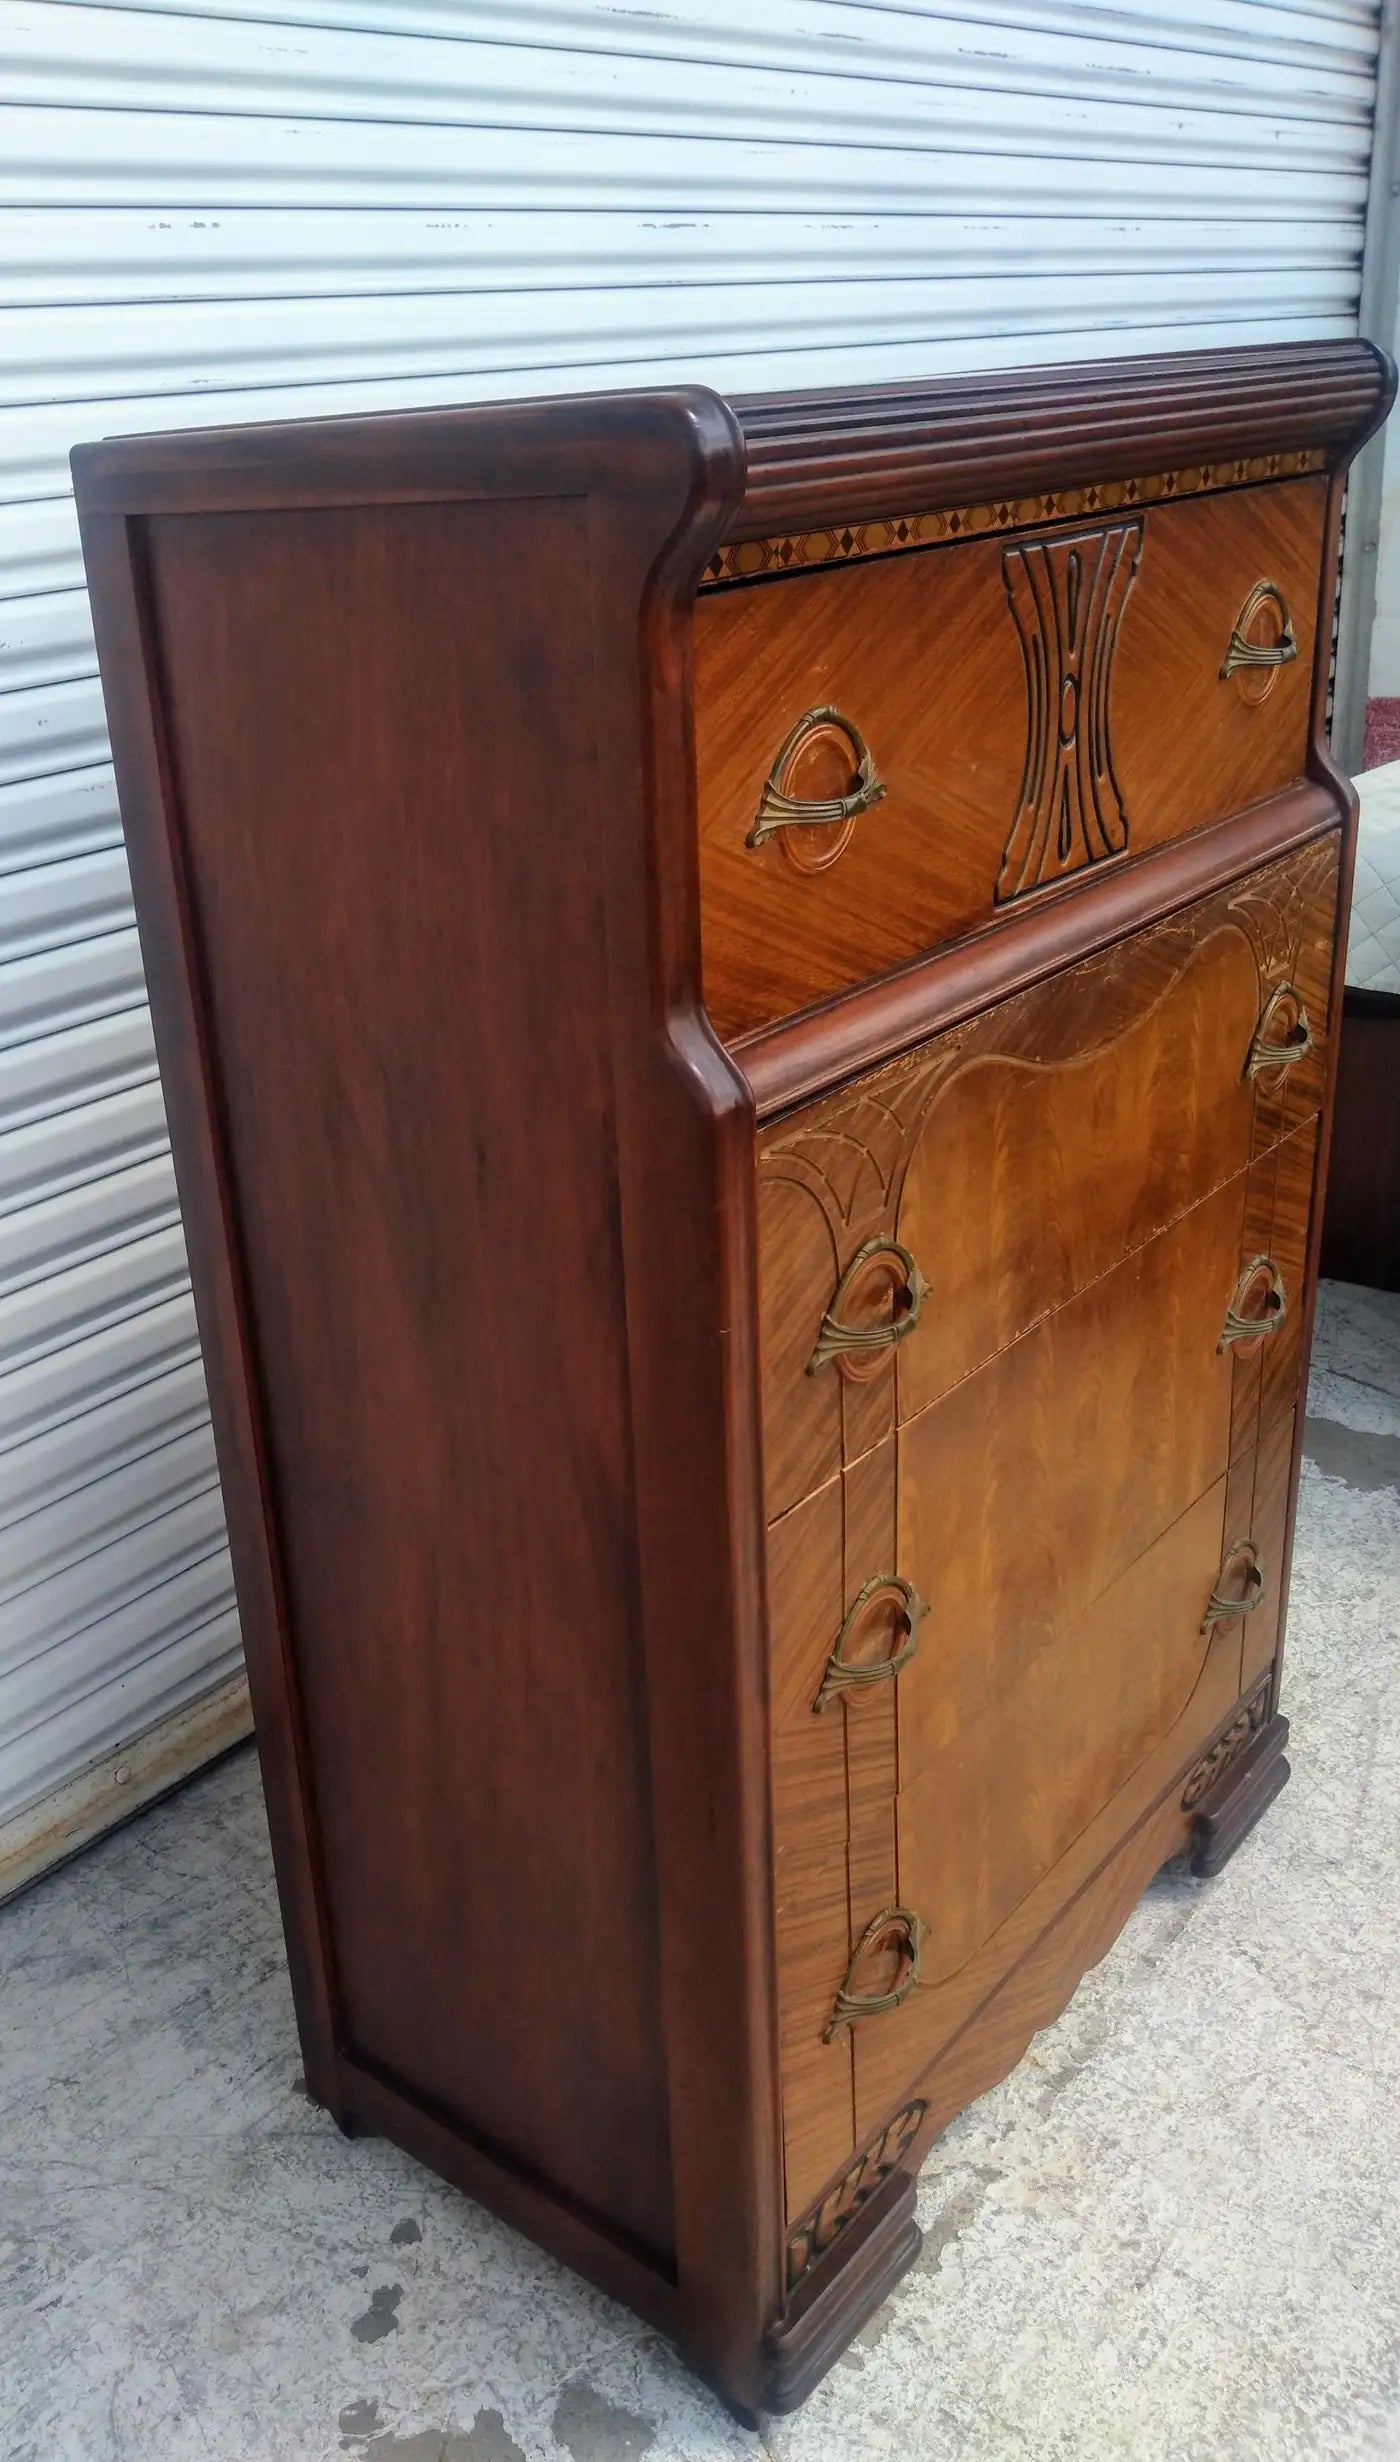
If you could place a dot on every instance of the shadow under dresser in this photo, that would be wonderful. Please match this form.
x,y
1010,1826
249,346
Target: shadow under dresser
x,y
747,1002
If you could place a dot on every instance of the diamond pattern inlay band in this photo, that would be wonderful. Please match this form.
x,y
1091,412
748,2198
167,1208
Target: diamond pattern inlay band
x,y
804,550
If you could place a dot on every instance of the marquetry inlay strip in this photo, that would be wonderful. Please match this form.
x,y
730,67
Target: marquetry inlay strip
x,y
852,542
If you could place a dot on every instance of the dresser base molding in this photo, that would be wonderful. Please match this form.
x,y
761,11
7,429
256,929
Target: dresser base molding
x,y
882,2240
883,2243
371,2105
838,2291
1240,1796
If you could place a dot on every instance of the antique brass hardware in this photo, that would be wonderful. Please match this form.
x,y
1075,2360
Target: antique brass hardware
x,y
843,1674
895,1923
779,810
1244,655
1261,1274
857,1348
1220,1607
1266,1051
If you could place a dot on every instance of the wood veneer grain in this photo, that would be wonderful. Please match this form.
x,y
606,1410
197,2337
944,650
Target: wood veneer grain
x,y
1018,1155
404,714
347,920
950,721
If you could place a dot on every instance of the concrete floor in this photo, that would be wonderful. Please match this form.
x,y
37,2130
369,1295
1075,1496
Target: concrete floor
x,y
1174,2232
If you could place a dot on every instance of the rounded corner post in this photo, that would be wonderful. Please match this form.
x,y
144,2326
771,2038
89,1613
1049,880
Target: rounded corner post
x,y
1385,397
686,1124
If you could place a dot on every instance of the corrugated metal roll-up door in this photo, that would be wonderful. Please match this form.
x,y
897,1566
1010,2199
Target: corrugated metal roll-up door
x,y
211,213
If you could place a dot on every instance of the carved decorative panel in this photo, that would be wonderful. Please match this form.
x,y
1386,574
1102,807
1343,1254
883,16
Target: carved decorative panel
x,y
812,2238
1274,907
1067,596
1242,1730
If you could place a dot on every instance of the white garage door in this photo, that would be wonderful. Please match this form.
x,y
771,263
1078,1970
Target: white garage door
x,y
212,213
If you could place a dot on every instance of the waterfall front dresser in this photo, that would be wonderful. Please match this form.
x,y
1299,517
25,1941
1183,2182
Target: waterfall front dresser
x,y
746,997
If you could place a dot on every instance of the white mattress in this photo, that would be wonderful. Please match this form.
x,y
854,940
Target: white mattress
x,y
1373,952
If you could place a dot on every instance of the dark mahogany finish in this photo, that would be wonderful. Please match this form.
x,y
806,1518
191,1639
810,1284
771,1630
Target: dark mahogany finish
x,y
404,718
1361,1235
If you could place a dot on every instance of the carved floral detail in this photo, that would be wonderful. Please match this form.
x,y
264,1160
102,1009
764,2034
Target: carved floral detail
x,y
1251,1715
852,1150
1272,910
814,2236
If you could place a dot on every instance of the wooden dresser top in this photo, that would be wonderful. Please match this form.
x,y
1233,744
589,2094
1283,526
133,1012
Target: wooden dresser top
x,y
782,459
882,449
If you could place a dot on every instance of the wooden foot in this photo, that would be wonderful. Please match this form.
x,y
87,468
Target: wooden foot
x,y
328,2092
1245,1789
800,2352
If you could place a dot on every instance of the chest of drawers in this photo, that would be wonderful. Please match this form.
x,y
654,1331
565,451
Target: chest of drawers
x,y
747,1001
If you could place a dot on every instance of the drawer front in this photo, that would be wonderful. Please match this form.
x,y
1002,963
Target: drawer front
x,y
985,1833
1042,1564
983,721
1010,1163
994,1641
999,1830
946,1562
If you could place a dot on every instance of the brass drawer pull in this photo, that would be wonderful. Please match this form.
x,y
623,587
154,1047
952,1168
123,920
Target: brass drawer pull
x,y
895,1923
1283,1012
1260,1276
1244,655
843,1674
778,809
1220,1607
858,1349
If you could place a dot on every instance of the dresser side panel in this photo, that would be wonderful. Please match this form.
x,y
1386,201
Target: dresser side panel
x,y
405,965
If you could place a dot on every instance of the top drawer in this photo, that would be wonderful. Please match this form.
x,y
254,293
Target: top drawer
x,y
1031,705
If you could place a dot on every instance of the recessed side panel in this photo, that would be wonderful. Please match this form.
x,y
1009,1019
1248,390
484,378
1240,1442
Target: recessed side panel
x,y
406,974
